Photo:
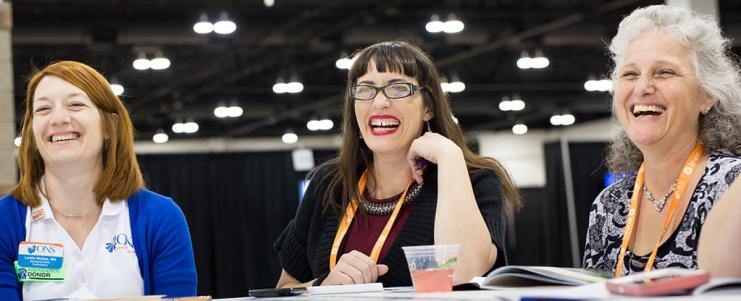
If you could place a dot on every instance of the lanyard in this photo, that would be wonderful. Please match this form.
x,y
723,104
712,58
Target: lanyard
x,y
347,220
682,182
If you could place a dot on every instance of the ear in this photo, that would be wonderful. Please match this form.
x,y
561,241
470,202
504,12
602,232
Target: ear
x,y
428,115
114,116
708,103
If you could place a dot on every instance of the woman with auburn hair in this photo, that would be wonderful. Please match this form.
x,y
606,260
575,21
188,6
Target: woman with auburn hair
x,y
80,224
403,177
677,98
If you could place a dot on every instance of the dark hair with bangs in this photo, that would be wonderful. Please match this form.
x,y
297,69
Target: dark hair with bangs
x,y
354,157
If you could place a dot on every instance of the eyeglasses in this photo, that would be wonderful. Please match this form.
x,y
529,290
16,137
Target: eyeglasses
x,y
392,91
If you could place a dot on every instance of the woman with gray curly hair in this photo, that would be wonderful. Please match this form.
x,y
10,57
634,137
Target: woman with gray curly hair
x,y
677,97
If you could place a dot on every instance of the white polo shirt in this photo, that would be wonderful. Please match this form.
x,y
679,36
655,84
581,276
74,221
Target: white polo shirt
x,y
106,266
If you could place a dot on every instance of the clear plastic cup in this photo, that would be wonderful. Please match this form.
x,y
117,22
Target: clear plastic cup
x,y
432,267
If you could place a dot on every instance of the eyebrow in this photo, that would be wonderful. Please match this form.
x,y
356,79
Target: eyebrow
x,y
659,63
391,81
71,95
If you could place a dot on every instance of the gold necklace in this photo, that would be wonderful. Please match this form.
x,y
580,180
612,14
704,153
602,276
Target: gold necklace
x,y
68,215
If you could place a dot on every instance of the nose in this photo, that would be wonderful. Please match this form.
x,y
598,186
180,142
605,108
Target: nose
x,y
645,85
381,101
59,116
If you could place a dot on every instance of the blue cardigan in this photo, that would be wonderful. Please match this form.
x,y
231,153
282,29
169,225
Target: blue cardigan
x,y
160,235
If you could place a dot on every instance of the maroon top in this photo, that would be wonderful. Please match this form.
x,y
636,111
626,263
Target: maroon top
x,y
365,229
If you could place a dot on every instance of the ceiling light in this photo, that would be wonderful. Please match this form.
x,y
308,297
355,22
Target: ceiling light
x,y
117,88
524,62
326,124
225,25
313,125
454,119
567,119
519,129
17,141
294,87
160,137
435,25
602,85
159,62
453,25
505,105
279,87
221,111
562,119
516,105
344,62
555,120
178,127
289,137
456,85
142,63
539,61
190,127
203,26
235,111
268,3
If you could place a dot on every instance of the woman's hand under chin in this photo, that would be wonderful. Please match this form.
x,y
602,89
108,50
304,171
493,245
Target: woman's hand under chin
x,y
431,147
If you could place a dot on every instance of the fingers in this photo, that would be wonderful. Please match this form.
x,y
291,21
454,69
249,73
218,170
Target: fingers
x,y
382,269
354,268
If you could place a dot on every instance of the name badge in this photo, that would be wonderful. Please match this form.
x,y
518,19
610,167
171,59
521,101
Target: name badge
x,y
40,255
39,274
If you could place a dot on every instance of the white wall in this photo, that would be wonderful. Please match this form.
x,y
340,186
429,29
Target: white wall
x,y
217,145
523,155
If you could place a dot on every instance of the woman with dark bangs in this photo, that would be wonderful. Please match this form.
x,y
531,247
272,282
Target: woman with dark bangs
x,y
403,177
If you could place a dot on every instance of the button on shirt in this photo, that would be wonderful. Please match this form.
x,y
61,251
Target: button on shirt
x,y
106,266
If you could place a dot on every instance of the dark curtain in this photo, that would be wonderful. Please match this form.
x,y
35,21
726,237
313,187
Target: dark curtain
x,y
588,180
526,230
236,205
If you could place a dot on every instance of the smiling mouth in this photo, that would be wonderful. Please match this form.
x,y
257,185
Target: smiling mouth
x,y
648,110
65,137
383,126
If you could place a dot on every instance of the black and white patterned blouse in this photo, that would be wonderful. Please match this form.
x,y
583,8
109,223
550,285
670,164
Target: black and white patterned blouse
x,y
609,211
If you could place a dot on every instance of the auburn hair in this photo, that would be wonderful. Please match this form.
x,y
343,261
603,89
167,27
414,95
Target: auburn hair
x,y
121,176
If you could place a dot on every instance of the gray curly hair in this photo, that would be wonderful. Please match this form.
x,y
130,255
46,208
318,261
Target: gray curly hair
x,y
717,72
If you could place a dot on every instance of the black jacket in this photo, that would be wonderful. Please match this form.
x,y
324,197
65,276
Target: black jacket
x,y
304,245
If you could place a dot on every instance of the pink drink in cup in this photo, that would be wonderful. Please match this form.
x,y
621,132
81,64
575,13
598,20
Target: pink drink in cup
x,y
432,267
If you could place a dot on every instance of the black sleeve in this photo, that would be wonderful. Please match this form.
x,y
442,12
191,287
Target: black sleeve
x,y
488,193
291,244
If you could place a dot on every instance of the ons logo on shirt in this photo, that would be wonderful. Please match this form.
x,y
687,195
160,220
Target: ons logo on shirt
x,y
120,242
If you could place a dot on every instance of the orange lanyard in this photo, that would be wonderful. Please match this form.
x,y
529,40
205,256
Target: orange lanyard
x,y
682,182
347,220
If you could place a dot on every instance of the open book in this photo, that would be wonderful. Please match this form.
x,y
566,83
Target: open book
x,y
523,276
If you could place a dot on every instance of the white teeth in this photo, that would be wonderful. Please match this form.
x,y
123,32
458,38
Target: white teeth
x,y
66,137
648,108
380,122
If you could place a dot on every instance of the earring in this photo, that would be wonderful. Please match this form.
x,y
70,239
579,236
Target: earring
x,y
429,129
106,144
706,110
